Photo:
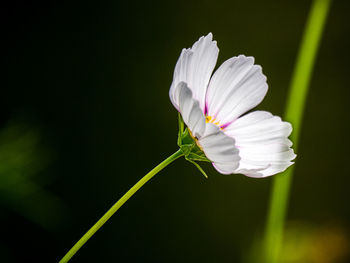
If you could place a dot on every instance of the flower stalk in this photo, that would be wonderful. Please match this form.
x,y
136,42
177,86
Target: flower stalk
x,y
118,204
294,114
188,149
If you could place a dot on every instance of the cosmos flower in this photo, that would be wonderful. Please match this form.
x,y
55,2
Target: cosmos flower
x,y
255,144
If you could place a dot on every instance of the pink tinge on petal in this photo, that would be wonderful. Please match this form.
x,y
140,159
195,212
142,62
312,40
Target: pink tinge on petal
x,y
225,125
206,108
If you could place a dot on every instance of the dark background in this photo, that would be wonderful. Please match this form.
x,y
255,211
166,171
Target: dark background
x,y
85,113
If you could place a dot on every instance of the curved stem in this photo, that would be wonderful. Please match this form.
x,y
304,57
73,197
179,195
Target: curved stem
x,y
118,204
294,114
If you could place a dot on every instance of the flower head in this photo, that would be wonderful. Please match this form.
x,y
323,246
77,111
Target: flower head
x,y
213,107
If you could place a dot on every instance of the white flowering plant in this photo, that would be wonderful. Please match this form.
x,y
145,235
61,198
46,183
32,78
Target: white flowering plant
x,y
255,144
215,124
217,129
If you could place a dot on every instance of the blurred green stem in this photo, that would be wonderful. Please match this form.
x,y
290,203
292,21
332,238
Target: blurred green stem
x,y
294,113
118,204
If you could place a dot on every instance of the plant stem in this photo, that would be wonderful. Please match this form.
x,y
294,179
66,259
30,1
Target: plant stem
x,y
118,204
294,114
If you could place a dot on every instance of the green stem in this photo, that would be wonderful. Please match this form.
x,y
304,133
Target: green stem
x,y
118,204
294,113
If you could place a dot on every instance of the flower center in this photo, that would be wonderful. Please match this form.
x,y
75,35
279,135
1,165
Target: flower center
x,y
212,120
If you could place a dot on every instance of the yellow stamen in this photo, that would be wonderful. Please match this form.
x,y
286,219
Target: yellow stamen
x,y
212,120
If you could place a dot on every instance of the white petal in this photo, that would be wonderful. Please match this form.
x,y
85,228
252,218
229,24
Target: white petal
x,y
220,149
189,108
236,87
195,67
262,140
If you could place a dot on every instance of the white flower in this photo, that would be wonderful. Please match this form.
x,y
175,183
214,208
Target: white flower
x,y
212,107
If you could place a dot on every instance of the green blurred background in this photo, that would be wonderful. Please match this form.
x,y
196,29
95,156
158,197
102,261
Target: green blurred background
x,y
85,114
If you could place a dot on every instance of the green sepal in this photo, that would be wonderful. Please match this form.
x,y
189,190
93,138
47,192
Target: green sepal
x,y
181,129
199,168
197,154
189,147
196,157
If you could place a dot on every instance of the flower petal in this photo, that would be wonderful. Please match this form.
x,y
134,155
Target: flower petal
x,y
236,87
262,140
189,108
195,67
220,149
